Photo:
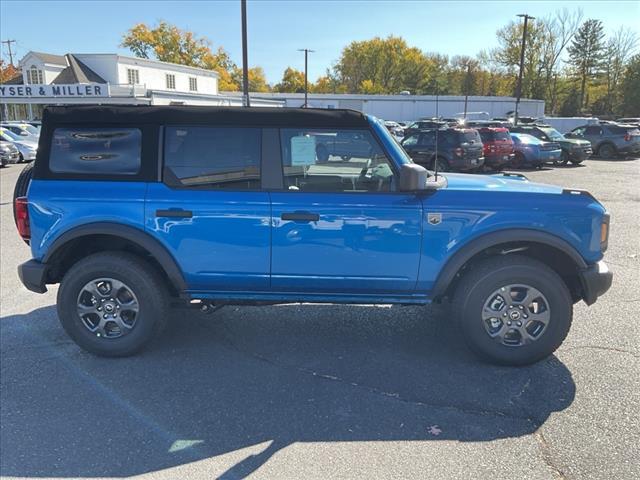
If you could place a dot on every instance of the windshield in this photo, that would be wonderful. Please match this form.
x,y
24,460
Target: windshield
x,y
389,140
30,128
553,134
9,135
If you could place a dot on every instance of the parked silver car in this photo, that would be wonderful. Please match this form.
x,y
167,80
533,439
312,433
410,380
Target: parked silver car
x,y
27,148
609,139
8,153
22,129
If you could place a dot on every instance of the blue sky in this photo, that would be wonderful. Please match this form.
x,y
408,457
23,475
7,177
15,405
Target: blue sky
x,y
278,28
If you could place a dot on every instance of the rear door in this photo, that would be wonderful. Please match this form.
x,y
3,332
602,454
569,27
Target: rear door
x,y
209,211
340,227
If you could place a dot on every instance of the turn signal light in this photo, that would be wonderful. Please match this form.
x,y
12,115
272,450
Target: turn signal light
x,y
604,233
21,207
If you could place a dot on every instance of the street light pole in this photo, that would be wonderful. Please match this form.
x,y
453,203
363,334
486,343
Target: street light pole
x,y
524,42
466,95
245,63
306,82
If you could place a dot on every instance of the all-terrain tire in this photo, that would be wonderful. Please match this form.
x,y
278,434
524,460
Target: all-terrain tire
x,y
143,281
476,288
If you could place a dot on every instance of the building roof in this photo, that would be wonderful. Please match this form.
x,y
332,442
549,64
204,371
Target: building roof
x,y
50,58
77,72
199,115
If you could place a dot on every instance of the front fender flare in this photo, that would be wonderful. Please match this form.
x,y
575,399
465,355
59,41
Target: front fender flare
x,y
477,245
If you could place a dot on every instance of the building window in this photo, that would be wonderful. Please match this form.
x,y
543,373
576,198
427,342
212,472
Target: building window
x,y
171,81
193,84
34,75
133,76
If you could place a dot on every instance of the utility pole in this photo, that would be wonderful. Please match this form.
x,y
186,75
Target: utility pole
x,y
9,42
466,94
524,42
306,83
245,64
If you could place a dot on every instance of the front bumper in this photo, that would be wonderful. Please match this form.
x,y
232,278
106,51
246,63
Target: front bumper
x,y
580,153
33,275
596,280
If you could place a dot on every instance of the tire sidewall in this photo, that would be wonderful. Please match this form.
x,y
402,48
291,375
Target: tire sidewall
x,y
150,309
549,284
606,151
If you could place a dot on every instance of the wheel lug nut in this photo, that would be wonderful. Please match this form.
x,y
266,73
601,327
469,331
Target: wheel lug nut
x,y
526,316
509,323
519,324
520,307
104,316
99,309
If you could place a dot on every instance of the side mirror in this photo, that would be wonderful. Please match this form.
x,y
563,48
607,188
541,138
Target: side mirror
x,y
413,177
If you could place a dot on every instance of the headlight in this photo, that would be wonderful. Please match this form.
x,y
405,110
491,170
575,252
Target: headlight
x,y
604,232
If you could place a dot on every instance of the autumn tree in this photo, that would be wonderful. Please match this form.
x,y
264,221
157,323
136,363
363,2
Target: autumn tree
x,y
7,72
586,54
385,65
257,79
292,82
168,43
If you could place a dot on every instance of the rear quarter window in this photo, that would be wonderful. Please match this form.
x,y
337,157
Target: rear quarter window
x,y
96,150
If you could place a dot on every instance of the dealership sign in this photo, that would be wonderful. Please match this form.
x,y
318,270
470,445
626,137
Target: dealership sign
x,y
91,90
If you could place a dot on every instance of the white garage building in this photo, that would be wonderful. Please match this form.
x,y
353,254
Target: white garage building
x,y
108,78
411,107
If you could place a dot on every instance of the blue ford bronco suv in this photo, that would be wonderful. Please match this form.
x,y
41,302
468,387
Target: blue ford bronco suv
x,y
132,209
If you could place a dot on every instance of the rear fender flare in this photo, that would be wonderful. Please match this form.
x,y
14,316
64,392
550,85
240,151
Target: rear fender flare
x,y
132,234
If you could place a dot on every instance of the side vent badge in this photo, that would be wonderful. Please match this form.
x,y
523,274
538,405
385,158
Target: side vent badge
x,y
434,218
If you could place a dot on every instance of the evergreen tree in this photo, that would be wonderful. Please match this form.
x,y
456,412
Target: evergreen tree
x,y
586,53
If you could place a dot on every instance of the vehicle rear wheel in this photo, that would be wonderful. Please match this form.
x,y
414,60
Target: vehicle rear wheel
x,y
443,165
518,160
512,310
22,185
112,303
20,157
606,151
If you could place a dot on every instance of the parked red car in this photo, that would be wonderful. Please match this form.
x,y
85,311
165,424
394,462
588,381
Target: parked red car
x,y
498,146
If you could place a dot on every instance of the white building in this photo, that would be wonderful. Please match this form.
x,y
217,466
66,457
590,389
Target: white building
x,y
410,107
107,78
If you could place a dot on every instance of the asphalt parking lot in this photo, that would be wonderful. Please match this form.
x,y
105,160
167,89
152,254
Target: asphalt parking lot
x,y
313,391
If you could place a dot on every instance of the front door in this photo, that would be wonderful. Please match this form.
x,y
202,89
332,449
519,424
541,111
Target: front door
x,y
210,212
339,225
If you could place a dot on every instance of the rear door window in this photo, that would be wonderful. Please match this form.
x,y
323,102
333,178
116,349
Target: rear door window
x,y
96,150
226,158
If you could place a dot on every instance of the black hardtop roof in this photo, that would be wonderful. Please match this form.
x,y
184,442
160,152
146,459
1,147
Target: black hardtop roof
x,y
192,115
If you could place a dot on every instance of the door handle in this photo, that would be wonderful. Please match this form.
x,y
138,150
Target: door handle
x,y
174,213
300,216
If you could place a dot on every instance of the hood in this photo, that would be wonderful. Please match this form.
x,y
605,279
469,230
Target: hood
x,y
574,141
27,143
496,183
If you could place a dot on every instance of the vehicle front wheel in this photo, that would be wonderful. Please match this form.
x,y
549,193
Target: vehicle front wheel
x,y
112,303
563,160
512,310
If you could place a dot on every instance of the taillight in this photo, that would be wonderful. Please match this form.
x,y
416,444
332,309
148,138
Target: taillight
x,y
458,151
21,206
627,137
